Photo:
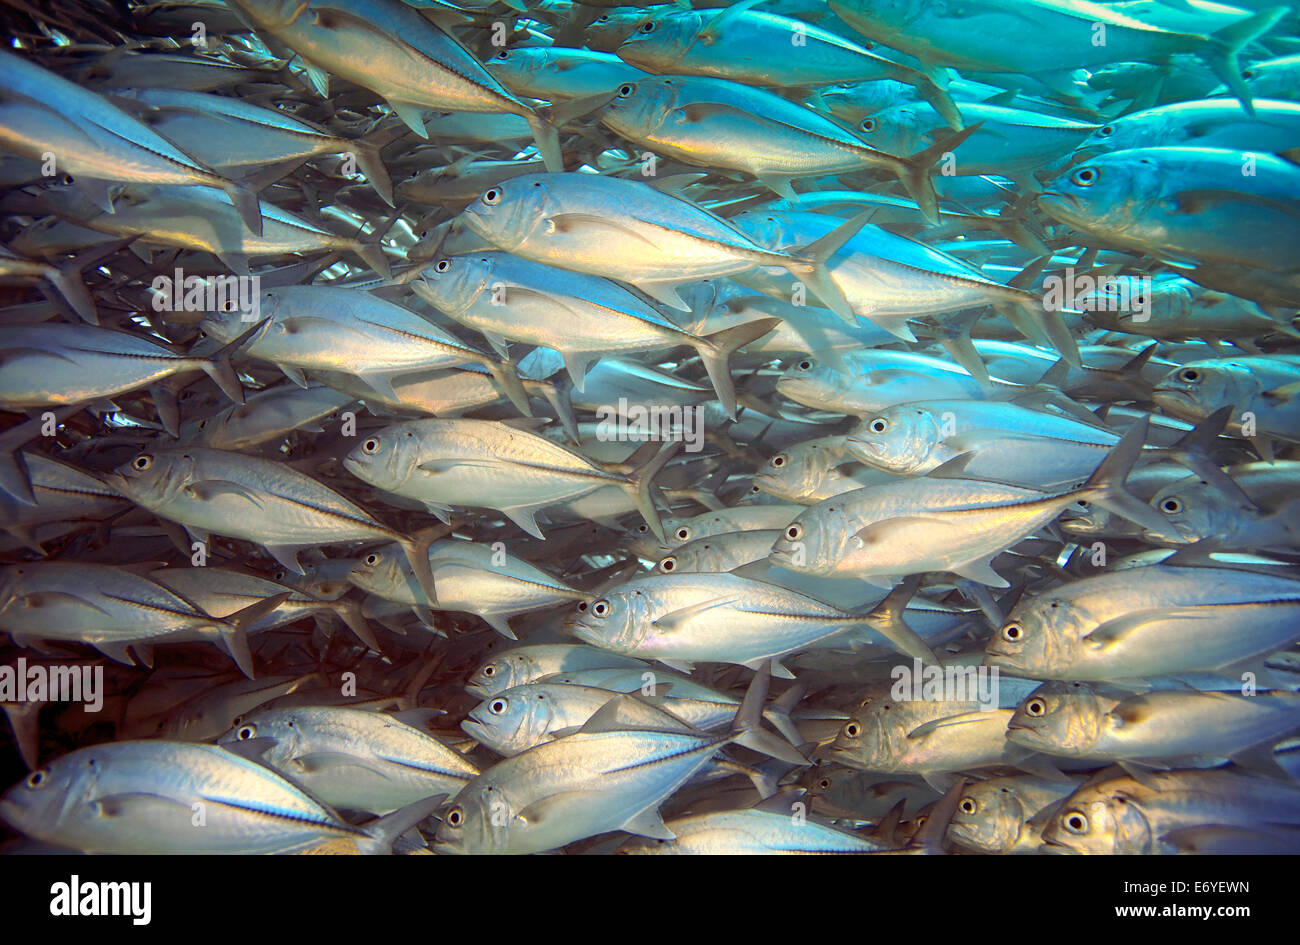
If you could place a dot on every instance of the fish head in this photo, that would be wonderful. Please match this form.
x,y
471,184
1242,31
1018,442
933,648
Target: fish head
x,y
270,14
900,129
386,458
1121,134
661,40
861,741
1036,637
1060,715
1105,820
514,720
283,728
610,30
44,802
518,68
1199,388
454,283
1108,191
506,214
384,571
616,622
898,439
1192,510
153,478
813,383
501,672
813,542
478,820
639,108
990,816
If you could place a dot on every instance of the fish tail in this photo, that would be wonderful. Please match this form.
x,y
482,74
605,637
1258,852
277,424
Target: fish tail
x,y
1107,488
379,835
67,279
1221,50
417,553
233,630
218,366
506,374
746,728
886,618
716,350
372,165
547,136
941,101
809,265
638,483
915,171
1033,319
244,198
349,611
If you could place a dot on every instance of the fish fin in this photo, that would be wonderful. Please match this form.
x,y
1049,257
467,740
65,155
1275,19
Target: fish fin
x,y
779,186
983,572
954,468
576,364
500,625
526,518
15,481
218,367
1112,631
233,630
287,555
244,199
1221,52
665,293
681,666
416,548
318,77
715,352
116,651
648,823
411,115
560,804
40,599
1260,758
673,620
207,490
932,726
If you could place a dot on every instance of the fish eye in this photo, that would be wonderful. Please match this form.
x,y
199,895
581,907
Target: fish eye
x,y
246,732
1248,73
37,778
824,784
626,89
370,446
1190,375
879,425
683,534
1075,822
868,124
497,706
805,365
492,197
372,559
490,669
794,532
668,564
1036,708
643,529
455,817
648,26
1013,632
600,608
442,265
1107,131
852,729
778,460
142,462
1085,176
969,806
1171,505
503,54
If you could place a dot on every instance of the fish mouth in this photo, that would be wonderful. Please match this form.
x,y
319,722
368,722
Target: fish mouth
x,y
1054,846
476,690
475,730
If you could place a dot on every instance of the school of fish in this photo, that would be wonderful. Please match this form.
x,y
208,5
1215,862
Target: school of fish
x,y
774,426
